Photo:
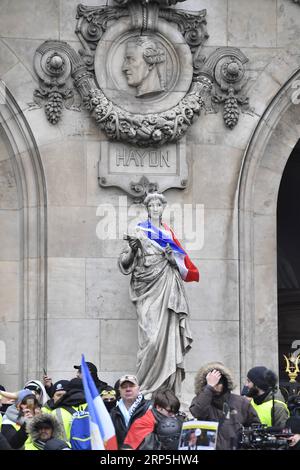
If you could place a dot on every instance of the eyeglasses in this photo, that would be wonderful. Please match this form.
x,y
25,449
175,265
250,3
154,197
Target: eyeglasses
x,y
170,412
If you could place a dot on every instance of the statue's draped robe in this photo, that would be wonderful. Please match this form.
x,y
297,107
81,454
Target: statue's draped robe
x,y
164,336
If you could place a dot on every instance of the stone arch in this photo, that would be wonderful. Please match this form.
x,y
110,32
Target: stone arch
x,y
272,142
31,259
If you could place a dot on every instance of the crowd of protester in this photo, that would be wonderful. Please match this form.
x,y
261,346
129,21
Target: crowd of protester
x,y
41,415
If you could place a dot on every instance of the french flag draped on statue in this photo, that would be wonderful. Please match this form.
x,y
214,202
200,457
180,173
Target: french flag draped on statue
x,y
187,269
103,435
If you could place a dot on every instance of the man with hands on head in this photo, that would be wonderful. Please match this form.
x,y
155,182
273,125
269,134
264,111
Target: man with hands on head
x,y
214,401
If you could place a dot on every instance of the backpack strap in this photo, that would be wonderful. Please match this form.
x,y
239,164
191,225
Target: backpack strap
x,y
70,409
61,422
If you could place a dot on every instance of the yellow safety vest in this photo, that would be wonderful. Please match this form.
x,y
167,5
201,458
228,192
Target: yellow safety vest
x,y
64,417
45,409
29,445
264,410
0,421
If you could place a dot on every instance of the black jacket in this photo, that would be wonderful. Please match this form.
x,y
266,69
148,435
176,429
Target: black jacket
x,y
119,422
230,410
4,445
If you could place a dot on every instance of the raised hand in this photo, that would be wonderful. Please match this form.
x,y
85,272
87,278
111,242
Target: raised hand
x,y
133,243
213,378
170,255
47,381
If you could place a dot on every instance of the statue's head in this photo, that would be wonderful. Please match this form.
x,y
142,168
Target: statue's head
x,y
155,204
142,56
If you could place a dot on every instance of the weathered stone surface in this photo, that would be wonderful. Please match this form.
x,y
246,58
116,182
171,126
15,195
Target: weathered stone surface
x,y
29,18
252,24
66,186
67,20
4,146
20,83
72,232
24,49
9,291
66,287
95,194
118,344
265,197
266,316
216,186
10,335
82,337
9,235
104,291
8,190
219,235
216,19
215,297
282,148
43,132
221,344
265,242
288,27
283,67
262,92
7,58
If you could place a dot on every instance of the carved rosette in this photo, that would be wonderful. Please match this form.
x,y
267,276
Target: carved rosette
x,y
53,66
225,69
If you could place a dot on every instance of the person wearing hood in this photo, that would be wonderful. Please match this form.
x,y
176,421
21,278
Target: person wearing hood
x,y
39,390
260,386
100,385
72,401
42,429
17,416
214,401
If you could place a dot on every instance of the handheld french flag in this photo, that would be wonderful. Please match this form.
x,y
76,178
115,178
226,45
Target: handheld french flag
x,y
103,435
187,269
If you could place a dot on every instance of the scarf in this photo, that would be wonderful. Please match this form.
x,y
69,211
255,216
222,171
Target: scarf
x,y
127,413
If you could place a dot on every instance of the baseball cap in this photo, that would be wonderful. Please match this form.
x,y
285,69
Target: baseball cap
x,y
128,378
92,368
61,385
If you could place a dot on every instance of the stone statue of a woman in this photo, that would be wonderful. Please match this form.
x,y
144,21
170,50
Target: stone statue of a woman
x,y
158,265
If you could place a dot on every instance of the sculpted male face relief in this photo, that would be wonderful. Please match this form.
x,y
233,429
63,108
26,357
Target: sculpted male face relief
x,y
140,65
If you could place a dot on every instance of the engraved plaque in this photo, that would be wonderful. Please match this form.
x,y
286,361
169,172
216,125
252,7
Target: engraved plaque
x,y
137,170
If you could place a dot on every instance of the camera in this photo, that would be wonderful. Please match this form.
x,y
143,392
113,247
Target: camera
x,y
261,437
294,405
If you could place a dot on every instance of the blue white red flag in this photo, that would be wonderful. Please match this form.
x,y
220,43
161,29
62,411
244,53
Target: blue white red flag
x,y
162,238
103,435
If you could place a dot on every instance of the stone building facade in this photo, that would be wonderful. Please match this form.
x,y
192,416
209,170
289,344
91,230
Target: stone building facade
x,y
61,293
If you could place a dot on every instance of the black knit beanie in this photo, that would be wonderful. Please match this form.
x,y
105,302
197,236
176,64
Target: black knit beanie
x,y
257,375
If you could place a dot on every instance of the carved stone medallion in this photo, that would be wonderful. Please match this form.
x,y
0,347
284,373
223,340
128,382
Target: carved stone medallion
x,y
143,74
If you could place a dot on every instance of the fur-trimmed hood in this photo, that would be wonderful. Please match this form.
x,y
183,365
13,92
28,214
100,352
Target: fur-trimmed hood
x,y
200,379
35,423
